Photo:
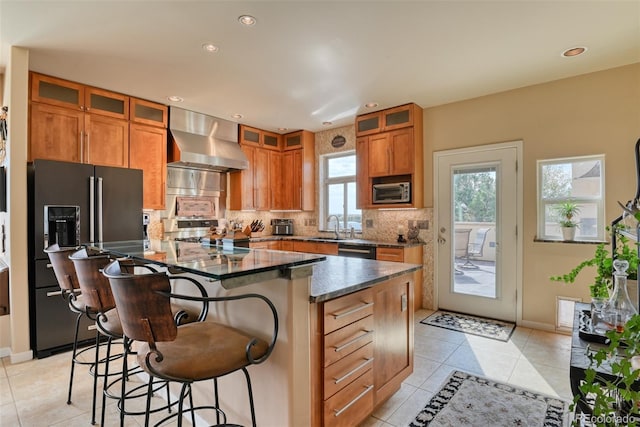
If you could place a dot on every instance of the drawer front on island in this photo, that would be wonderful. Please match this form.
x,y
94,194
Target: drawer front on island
x,y
344,341
346,370
347,309
352,404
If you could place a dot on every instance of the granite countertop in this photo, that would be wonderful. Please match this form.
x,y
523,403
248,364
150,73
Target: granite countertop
x,y
333,276
338,276
215,262
363,242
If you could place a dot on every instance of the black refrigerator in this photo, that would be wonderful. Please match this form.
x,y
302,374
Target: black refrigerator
x,y
71,204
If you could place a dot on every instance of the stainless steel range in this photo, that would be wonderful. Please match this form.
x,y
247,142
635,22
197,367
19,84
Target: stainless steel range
x,y
195,203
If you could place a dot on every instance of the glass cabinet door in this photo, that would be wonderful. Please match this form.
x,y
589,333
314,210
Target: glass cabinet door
x,y
399,117
293,141
368,124
110,104
54,91
149,113
271,140
249,136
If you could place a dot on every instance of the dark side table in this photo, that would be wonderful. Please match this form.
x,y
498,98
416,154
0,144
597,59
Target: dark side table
x,y
580,349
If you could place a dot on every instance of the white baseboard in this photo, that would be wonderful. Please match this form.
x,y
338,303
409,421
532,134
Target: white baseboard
x,y
4,352
538,325
21,357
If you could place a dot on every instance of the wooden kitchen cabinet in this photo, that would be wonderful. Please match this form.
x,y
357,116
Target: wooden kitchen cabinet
x,y
391,153
250,188
276,172
286,177
348,358
286,245
364,349
106,141
260,138
111,104
393,342
315,247
269,244
55,91
387,120
148,151
148,113
299,139
389,149
76,96
55,133
298,167
411,255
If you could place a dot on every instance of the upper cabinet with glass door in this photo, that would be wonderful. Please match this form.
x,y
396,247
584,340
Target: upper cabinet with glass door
x,y
387,120
64,93
260,138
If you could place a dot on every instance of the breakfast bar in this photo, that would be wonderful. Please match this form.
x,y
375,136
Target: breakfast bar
x,y
291,388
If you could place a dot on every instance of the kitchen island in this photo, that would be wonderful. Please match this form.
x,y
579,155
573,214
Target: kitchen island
x,y
329,308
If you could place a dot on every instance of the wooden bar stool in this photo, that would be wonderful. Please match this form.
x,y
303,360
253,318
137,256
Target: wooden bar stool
x,y
187,353
68,281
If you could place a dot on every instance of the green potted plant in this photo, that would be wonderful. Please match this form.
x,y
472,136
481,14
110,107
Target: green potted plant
x,y
603,262
567,211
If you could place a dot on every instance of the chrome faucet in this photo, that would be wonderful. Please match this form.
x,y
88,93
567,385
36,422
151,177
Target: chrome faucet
x,y
337,229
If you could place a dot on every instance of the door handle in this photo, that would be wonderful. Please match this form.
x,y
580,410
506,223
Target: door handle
x,y
441,236
99,209
92,210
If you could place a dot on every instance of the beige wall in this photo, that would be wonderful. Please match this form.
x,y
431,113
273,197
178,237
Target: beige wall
x,y
16,97
589,114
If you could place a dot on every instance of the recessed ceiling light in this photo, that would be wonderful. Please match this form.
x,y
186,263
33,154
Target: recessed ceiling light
x,y
283,129
327,123
209,47
371,104
574,51
237,116
247,20
174,98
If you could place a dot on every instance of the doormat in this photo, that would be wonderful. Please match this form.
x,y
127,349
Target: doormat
x,y
468,400
481,326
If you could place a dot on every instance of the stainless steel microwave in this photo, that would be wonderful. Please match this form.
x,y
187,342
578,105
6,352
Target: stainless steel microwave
x,y
397,192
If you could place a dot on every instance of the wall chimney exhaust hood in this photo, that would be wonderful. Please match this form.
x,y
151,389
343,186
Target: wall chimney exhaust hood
x,y
198,141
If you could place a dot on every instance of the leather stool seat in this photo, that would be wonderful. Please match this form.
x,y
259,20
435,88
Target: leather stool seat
x,y
221,350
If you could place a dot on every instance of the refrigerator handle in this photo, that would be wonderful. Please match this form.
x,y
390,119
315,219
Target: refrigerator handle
x,y
92,210
99,208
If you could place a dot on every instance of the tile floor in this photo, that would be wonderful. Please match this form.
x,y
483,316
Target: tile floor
x,y
34,393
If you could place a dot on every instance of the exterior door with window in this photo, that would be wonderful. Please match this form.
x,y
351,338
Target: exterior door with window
x,y
477,218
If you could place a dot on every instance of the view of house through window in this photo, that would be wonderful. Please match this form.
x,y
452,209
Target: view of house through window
x,y
578,180
339,192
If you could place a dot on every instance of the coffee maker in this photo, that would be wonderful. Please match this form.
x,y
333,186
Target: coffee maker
x,y
282,227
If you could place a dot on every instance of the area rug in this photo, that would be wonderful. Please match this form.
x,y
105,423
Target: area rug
x,y
487,328
468,400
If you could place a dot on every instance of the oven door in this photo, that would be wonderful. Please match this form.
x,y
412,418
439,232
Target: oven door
x,y
392,193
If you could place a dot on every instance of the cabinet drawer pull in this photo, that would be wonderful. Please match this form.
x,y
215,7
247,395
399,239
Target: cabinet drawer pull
x,y
54,293
351,341
351,372
353,310
348,405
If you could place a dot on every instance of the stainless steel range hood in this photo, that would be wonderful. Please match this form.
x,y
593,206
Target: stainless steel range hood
x,y
198,141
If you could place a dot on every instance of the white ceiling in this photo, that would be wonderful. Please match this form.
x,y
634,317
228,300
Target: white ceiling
x,y
307,62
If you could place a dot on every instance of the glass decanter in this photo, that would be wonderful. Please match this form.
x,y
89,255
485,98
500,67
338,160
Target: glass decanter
x,y
619,309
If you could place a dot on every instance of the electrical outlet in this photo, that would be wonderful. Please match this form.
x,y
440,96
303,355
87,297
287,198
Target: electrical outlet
x,y
313,222
423,224
369,223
